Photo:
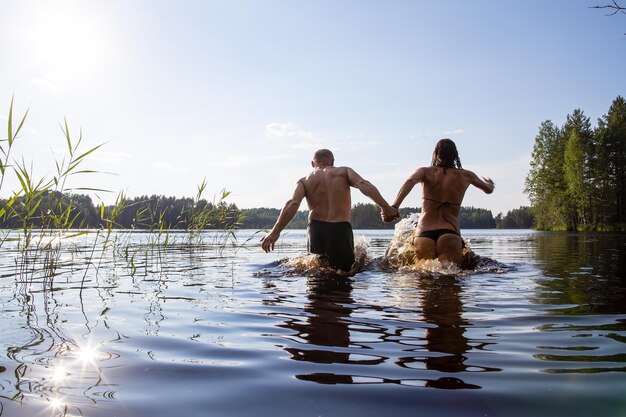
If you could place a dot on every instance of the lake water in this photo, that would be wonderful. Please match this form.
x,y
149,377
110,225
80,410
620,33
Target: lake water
x,y
206,328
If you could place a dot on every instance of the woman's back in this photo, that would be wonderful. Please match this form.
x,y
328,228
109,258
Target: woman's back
x,y
444,183
443,192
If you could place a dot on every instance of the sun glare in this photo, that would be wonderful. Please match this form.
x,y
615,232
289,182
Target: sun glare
x,y
67,43
58,374
57,403
87,354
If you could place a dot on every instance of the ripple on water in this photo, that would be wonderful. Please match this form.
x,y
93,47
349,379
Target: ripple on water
x,y
199,334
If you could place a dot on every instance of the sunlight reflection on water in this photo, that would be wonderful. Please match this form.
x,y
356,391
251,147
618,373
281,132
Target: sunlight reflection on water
x,y
155,331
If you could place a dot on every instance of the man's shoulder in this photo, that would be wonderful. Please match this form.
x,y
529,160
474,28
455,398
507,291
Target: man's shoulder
x,y
338,171
348,173
332,172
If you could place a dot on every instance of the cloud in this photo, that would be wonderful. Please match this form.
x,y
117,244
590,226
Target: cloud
x,y
110,157
454,132
163,166
237,161
363,144
233,161
279,156
286,130
308,146
46,83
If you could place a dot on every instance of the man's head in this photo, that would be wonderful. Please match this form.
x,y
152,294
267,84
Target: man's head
x,y
446,155
323,158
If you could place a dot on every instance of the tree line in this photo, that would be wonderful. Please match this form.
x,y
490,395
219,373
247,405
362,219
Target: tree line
x,y
57,210
577,177
54,209
367,216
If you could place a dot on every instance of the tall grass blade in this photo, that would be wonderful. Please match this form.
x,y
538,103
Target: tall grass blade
x,y
68,139
19,127
10,124
8,205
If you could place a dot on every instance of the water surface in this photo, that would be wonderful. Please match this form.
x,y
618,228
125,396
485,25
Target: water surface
x,y
209,329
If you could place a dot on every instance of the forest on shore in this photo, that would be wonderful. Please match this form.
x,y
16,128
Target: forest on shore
x,y
577,177
170,213
46,203
367,216
576,182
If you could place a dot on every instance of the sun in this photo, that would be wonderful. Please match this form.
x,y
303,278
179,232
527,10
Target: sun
x,y
67,42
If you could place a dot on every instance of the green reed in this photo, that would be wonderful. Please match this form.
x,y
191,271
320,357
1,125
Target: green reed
x,y
217,214
42,206
6,145
45,211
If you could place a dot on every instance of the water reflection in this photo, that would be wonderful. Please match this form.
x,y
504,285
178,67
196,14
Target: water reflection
x,y
192,331
57,366
584,277
587,270
431,343
64,373
327,322
445,345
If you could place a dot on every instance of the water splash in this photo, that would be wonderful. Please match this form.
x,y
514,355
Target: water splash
x,y
400,251
401,254
314,265
305,262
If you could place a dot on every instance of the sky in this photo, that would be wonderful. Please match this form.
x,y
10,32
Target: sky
x,y
241,93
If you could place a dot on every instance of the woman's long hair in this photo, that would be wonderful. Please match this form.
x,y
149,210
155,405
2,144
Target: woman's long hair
x,y
445,155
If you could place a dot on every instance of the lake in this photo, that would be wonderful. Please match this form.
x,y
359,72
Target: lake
x,y
205,327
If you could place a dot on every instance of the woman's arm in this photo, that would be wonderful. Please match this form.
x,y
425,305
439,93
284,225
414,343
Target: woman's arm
x,y
416,177
485,184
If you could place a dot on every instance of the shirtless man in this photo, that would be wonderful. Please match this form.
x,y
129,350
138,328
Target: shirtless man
x,y
327,193
444,185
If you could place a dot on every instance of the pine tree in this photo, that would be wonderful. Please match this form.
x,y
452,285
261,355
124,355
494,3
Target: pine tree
x,y
545,183
610,166
574,170
578,153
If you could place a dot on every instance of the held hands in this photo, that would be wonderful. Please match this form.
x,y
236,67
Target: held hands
x,y
389,214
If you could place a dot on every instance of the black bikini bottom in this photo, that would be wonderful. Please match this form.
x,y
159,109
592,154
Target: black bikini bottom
x,y
437,233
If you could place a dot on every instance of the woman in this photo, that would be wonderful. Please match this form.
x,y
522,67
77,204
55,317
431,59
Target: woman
x,y
445,182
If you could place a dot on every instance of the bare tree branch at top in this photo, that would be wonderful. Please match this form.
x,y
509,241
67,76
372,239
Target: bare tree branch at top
x,y
615,8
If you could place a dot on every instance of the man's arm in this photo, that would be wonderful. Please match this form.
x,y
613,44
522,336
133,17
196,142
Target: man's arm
x,y
368,189
416,177
485,184
286,214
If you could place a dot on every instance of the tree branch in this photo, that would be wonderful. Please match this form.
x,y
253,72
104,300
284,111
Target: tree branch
x,y
615,8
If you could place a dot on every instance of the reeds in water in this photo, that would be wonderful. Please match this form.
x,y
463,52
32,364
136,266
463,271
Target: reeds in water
x,y
45,213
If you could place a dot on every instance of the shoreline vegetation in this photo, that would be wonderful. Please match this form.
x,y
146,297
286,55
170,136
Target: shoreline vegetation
x,y
577,177
41,219
171,213
49,204
576,182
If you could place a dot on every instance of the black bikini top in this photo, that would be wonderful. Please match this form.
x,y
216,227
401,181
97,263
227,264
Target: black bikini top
x,y
443,204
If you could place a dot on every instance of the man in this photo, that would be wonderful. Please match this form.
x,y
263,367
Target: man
x,y
327,193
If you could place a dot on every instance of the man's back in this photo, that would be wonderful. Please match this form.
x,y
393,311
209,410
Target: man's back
x,y
327,192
